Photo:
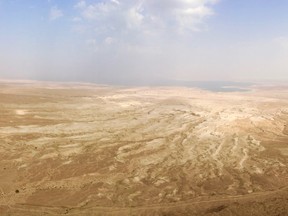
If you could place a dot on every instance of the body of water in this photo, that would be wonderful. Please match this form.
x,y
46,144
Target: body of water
x,y
215,86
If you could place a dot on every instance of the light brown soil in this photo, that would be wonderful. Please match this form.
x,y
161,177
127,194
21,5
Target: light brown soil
x,y
80,149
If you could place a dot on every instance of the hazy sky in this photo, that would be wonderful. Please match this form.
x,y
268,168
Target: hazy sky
x,y
116,41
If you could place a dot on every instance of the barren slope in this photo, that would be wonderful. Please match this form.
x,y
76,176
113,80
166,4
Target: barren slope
x,y
68,149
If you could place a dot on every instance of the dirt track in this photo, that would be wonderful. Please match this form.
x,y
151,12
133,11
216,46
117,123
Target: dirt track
x,y
233,205
71,149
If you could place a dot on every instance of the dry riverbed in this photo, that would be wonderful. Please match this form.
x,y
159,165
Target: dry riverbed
x,y
83,149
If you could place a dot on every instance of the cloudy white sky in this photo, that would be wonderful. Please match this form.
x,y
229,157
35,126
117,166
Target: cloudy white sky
x,y
130,41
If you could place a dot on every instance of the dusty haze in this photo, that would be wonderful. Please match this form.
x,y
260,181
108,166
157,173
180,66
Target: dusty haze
x,y
116,42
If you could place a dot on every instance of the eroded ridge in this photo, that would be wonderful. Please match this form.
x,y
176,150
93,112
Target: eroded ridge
x,y
86,146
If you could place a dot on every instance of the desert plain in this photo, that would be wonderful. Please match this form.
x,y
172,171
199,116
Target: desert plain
x,y
84,149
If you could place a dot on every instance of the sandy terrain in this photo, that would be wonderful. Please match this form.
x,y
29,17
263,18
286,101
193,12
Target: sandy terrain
x,y
79,149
